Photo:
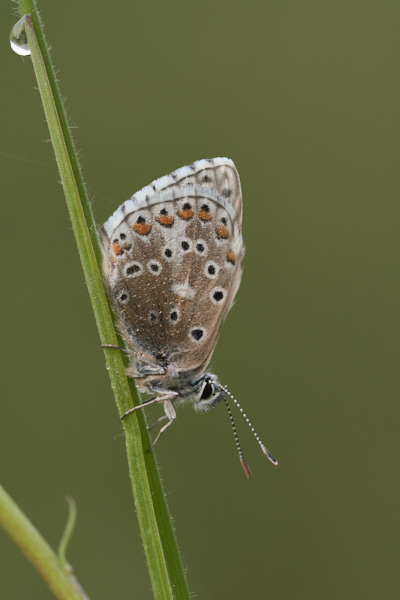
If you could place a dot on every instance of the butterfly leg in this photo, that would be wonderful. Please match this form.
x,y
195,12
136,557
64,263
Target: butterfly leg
x,y
169,414
116,348
163,397
157,422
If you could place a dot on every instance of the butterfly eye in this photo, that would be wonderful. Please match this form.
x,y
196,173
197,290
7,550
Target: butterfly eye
x,y
207,392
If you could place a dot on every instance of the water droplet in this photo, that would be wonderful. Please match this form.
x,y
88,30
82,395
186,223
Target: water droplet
x,y
18,38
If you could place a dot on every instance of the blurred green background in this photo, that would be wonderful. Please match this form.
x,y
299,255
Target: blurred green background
x,y
304,96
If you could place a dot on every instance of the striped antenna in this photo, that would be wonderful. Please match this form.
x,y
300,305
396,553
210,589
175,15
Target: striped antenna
x,y
265,450
244,464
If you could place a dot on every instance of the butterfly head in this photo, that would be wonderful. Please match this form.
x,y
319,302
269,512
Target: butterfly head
x,y
207,392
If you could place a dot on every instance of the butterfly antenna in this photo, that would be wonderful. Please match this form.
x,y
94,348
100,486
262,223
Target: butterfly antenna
x,y
265,450
244,464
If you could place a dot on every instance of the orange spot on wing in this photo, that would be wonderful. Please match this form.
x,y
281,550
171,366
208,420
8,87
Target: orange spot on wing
x,y
222,233
142,228
186,214
112,258
231,257
165,220
127,246
117,248
205,216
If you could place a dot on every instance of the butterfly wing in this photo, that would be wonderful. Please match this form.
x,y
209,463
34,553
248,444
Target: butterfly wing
x,y
172,262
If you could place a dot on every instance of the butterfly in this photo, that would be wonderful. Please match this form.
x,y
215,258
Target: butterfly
x,y
172,263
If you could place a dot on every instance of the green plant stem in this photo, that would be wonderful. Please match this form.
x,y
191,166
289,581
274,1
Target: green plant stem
x,y
163,560
36,549
68,531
